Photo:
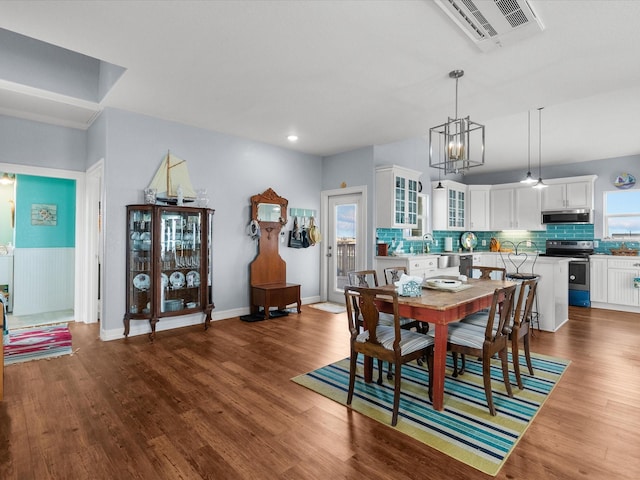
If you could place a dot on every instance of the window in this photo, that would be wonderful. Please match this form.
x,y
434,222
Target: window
x,y
622,214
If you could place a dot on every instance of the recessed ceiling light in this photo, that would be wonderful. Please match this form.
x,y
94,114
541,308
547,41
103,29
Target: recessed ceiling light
x,y
292,138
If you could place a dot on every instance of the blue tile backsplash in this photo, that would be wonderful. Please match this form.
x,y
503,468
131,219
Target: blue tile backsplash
x,y
392,236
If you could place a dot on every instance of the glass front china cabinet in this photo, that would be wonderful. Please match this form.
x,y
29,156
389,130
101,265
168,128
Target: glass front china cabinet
x,y
168,263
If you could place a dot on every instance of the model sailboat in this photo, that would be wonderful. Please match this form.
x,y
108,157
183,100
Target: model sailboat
x,y
172,182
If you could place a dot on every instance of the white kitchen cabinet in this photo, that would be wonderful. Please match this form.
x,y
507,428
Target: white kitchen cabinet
x,y
449,206
620,275
515,207
502,208
598,266
561,194
486,259
479,211
396,197
425,266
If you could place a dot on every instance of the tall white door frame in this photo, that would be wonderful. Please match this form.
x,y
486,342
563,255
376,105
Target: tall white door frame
x,y
80,304
95,241
324,221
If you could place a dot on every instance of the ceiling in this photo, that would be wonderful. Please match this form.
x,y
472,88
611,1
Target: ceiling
x,y
346,74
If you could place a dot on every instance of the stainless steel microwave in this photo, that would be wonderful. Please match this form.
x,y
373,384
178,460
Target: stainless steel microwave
x,y
578,215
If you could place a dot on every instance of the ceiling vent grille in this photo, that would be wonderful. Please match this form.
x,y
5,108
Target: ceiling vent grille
x,y
495,23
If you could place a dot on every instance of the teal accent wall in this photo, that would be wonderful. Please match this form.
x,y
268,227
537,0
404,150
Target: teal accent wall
x,y
55,191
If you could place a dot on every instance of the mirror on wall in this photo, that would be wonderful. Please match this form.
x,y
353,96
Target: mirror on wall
x,y
268,212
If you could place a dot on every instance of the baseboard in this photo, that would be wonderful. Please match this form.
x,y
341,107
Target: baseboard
x,y
614,306
142,327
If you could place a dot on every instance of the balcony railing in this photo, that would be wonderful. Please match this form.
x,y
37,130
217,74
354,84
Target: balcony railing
x,y
345,260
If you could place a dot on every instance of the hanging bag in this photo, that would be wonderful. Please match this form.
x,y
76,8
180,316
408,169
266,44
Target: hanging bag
x,y
295,237
314,232
305,235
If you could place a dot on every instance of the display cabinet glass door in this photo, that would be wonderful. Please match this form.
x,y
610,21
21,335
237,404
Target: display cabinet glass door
x,y
140,265
180,260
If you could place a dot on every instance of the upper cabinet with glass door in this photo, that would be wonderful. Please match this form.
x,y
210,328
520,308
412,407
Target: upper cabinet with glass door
x,y
448,206
397,197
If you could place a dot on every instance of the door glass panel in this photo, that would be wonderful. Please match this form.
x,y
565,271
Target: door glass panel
x,y
346,241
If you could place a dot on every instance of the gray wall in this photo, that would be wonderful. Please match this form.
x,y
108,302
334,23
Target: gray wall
x,y
37,144
354,169
232,169
606,170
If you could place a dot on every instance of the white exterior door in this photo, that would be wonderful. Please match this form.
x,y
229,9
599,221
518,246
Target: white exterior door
x,y
344,241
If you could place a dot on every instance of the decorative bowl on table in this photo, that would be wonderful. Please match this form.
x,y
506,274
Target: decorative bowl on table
x,y
443,283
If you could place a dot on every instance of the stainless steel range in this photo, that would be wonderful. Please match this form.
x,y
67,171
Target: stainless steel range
x,y
578,251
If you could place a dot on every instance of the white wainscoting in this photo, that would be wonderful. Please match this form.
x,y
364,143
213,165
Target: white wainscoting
x,y
43,280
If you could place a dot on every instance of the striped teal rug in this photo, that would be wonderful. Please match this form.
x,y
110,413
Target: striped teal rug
x,y
464,430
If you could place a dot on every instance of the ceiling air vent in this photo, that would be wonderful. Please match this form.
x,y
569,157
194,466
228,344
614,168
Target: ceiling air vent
x,y
493,23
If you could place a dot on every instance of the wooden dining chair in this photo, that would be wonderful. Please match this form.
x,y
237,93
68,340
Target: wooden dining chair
x,y
519,327
486,272
369,278
383,342
484,342
393,274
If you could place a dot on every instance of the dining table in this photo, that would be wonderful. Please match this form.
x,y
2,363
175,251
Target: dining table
x,y
440,307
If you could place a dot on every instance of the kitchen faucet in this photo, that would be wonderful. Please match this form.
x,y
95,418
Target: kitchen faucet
x,y
426,239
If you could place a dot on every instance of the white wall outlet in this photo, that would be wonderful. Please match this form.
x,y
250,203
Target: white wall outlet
x,y
435,242
484,243
596,244
528,243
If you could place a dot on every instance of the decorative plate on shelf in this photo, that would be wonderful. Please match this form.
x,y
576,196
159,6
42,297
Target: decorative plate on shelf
x,y
468,240
624,180
177,279
193,279
142,281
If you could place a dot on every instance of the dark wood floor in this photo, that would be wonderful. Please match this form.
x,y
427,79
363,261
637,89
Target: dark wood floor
x,y
221,405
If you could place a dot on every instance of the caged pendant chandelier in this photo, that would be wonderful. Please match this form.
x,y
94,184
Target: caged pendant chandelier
x,y
540,183
528,179
463,141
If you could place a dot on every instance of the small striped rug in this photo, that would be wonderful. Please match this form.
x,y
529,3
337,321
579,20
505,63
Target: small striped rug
x,y
37,343
464,430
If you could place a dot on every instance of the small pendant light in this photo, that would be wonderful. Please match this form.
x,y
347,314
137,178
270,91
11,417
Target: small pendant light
x,y
528,178
540,183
